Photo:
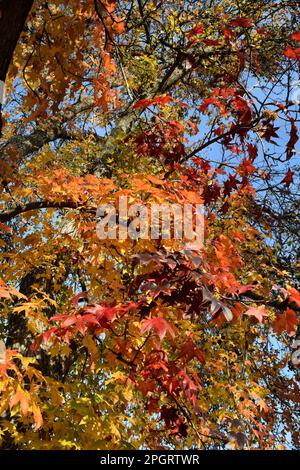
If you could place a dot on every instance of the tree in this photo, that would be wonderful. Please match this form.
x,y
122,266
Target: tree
x,y
124,343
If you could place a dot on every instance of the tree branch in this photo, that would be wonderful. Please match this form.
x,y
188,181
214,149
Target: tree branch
x,y
31,206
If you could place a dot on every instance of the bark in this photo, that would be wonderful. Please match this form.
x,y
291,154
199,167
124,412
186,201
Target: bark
x,y
13,14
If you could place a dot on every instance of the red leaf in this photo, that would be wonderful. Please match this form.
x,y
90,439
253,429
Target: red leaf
x,y
177,125
292,53
70,320
90,319
253,151
257,312
46,335
142,104
160,325
160,100
295,36
246,167
287,321
102,313
207,102
293,139
189,350
239,21
270,132
199,29
288,178
294,296
212,42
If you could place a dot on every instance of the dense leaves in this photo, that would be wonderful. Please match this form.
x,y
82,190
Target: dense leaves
x,y
126,343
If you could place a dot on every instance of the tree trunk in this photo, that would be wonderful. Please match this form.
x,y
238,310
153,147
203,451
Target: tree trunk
x,y
13,14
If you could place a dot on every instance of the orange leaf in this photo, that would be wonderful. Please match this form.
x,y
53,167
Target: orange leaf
x,y
37,415
22,397
5,228
287,321
257,312
294,296
4,292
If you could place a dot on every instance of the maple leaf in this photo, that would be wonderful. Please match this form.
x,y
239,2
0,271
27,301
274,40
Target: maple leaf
x,y
142,103
4,291
212,42
257,312
70,320
199,29
294,296
5,228
160,325
270,132
37,415
160,100
292,53
207,102
189,350
253,151
295,37
293,139
22,397
288,179
287,321
246,167
239,21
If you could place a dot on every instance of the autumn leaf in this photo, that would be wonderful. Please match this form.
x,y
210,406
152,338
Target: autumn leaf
x,y
292,53
257,312
287,321
160,325
37,415
239,21
22,397
5,228
4,291
158,100
212,42
294,296
199,29
141,343
294,137
295,37
288,179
